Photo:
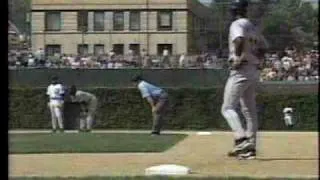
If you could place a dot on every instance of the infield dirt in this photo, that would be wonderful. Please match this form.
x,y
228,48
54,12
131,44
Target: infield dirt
x,y
280,154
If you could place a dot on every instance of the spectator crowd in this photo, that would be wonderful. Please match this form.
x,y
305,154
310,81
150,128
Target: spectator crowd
x,y
289,65
111,60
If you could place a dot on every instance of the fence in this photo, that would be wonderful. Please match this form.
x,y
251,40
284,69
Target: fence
x,y
117,78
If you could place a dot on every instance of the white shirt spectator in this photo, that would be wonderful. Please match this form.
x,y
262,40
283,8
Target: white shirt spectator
x,y
39,54
306,78
300,78
271,75
31,61
182,60
291,78
111,53
277,64
75,65
118,65
130,52
286,65
71,59
110,65
48,64
286,58
165,52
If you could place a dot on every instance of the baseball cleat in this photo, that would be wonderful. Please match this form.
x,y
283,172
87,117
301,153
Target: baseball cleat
x,y
241,145
249,155
81,130
54,131
155,133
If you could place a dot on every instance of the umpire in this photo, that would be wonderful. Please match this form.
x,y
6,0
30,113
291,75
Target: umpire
x,y
158,100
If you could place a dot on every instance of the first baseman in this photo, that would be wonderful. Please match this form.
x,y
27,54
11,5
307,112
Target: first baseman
x,y
55,91
158,100
88,103
246,49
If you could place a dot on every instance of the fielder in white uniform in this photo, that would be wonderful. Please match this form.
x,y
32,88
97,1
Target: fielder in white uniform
x,y
88,103
246,48
55,91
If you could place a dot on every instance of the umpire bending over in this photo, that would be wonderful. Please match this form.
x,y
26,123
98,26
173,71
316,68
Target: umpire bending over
x,y
158,100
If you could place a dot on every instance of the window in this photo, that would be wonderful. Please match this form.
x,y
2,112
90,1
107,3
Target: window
x,y
135,21
202,25
162,47
135,48
98,21
83,49
83,21
118,48
53,21
118,21
164,20
52,49
98,49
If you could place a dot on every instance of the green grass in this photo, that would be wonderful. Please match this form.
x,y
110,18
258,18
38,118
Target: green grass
x,y
158,178
90,142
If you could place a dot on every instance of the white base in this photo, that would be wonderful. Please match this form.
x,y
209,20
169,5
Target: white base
x,y
204,133
168,169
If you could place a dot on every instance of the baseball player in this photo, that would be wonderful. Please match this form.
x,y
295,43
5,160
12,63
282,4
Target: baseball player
x,y
158,100
55,91
246,49
88,103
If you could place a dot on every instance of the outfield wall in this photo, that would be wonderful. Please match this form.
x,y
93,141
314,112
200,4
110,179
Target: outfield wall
x,y
120,78
117,78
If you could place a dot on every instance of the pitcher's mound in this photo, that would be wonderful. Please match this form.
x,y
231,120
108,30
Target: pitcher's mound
x,y
168,169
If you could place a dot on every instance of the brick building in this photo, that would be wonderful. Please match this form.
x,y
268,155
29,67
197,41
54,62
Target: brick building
x,y
97,26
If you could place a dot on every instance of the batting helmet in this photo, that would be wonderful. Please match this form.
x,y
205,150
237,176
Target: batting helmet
x,y
239,7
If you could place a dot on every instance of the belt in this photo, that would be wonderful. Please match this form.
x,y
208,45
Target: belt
x,y
56,98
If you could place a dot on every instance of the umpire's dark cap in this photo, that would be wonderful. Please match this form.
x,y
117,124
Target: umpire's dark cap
x,y
137,78
73,90
55,79
239,5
